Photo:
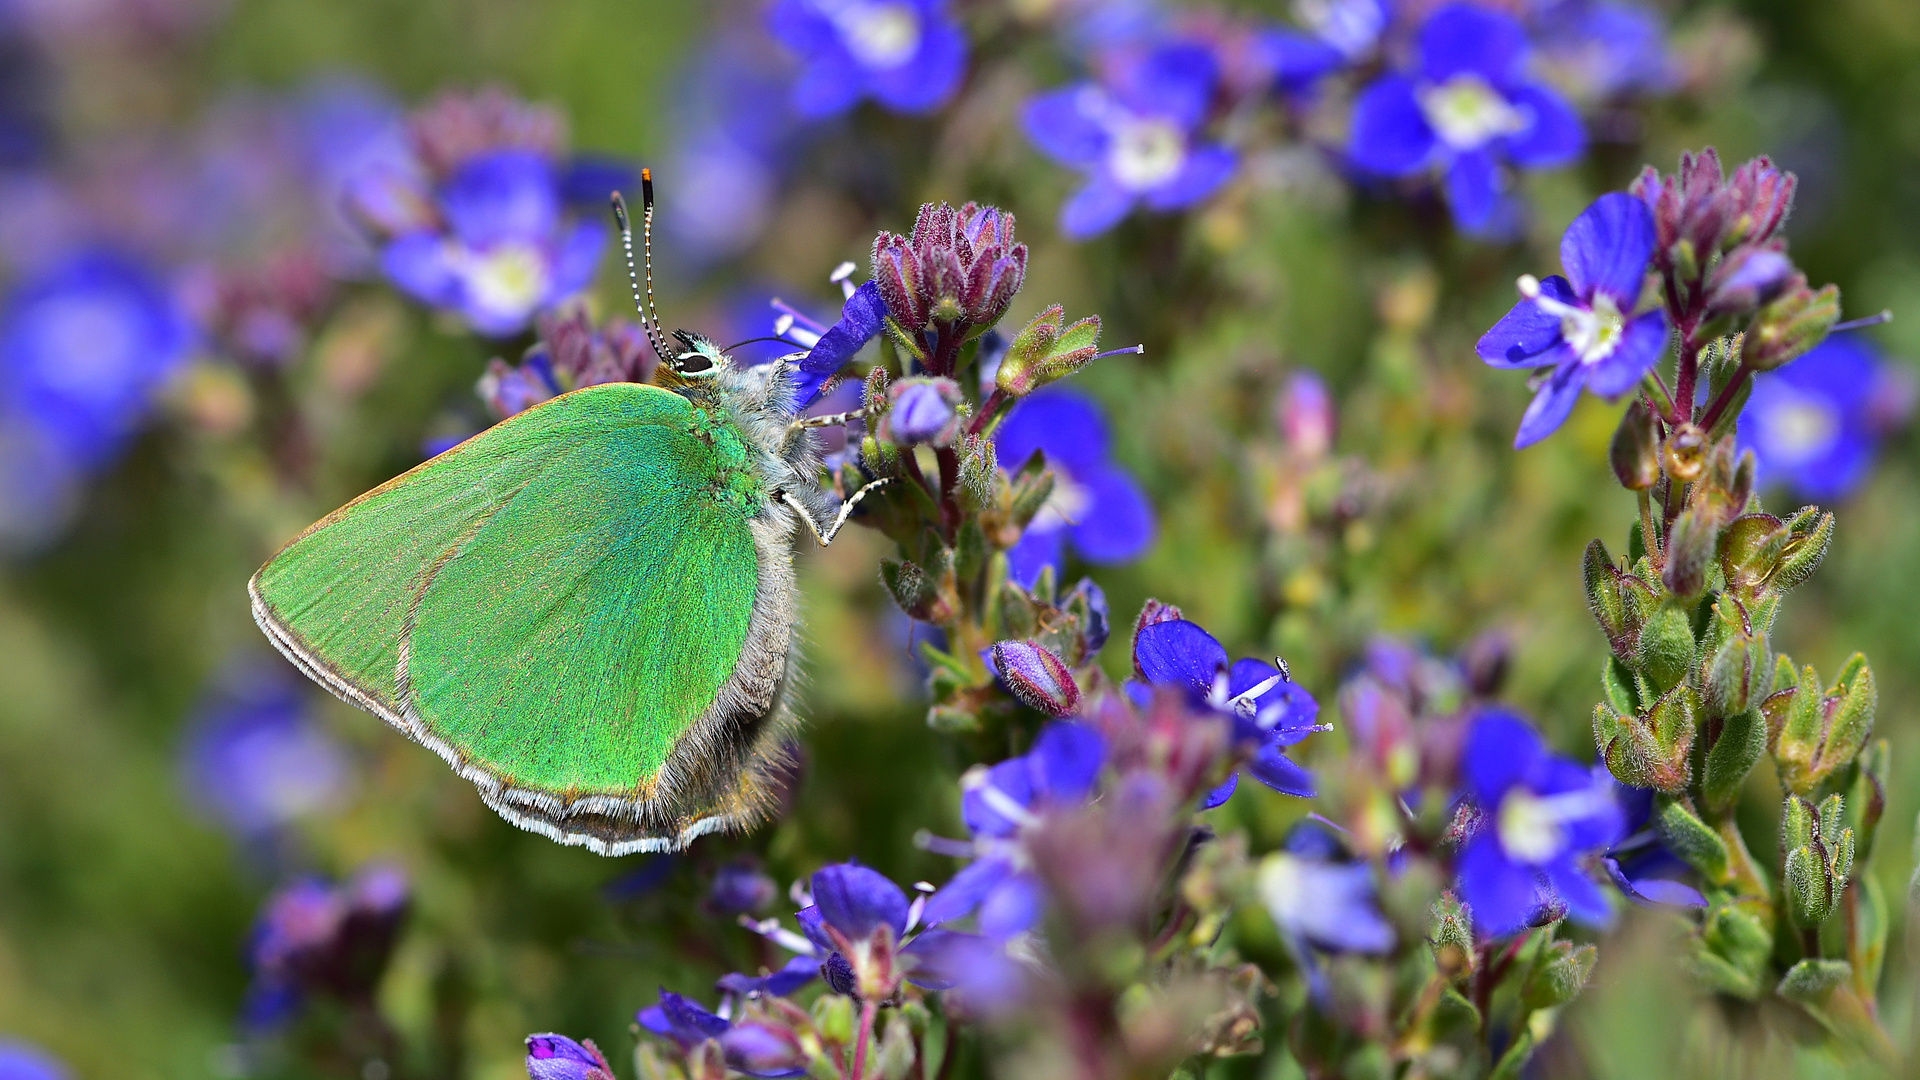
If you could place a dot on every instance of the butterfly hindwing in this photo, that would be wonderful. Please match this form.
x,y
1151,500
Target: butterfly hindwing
x,y
575,608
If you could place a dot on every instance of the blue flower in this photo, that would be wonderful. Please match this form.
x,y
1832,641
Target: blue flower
x,y
556,1057
1811,424
857,922
505,252
908,55
1269,712
794,974
24,1061
1603,49
860,321
1000,885
257,759
740,887
1338,33
317,937
681,1020
1135,135
735,132
1582,326
84,348
1094,503
1541,815
1316,896
1467,107
1639,864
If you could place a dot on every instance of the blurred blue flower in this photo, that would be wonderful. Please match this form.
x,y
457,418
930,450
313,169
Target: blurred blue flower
x,y
1000,885
1582,326
751,1049
24,1061
1268,711
740,887
556,1057
735,130
681,1020
314,937
256,758
1315,895
856,925
1468,107
1135,134
1813,424
794,974
1094,502
1601,49
506,252
1334,34
1542,815
84,347
908,55
1640,865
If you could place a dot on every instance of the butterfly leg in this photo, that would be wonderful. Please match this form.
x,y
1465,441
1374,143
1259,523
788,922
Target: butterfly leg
x,y
825,536
830,420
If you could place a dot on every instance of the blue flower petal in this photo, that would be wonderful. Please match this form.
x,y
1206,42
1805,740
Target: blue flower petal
x,y
1095,208
827,88
1179,653
1551,405
418,265
1520,338
578,258
1586,903
1206,169
965,890
1012,778
925,82
1500,892
1607,248
1175,81
800,26
1502,751
1011,907
1466,39
1296,60
1219,796
857,900
1066,425
1654,890
860,321
501,196
1279,772
1475,191
1556,135
1066,761
1117,522
1036,550
1061,125
1391,135
814,926
1642,343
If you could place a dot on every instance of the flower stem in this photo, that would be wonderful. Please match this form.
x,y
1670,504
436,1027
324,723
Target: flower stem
x,y
1648,537
1725,398
868,1009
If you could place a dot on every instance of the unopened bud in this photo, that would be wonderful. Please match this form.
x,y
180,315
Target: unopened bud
x,y
1665,647
1750,548
1747,278
1046,351
1789,326
916,591
1810,534
1690,548
921,411
1811,733
1635,453
1685,455
1037,677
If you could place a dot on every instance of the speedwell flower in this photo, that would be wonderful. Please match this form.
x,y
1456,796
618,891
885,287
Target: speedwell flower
x,y
1094,502
1581,328
1467,108
908,55
1813,424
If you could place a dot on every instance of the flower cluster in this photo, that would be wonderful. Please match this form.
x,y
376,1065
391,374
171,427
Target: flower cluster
x,y
477,221
316,938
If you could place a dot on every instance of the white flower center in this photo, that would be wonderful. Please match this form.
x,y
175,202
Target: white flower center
x,y
511,278
879,35
1146,152
1533,829
1064,504
1467,113
1593,332
1800,429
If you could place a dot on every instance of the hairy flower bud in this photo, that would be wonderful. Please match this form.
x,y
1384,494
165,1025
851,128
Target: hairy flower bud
x,y
1790,325
1811,733
1685,453
1635,453
958,270
921,411
1747,278
1037,677
1045,351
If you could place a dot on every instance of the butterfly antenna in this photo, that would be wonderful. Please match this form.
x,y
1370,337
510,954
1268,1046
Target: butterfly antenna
x,y
649,315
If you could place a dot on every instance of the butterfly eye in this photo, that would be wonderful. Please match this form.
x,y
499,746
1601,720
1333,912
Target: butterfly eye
x,y
692,363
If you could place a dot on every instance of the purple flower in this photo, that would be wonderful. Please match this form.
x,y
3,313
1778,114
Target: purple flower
x,y
908,55
556,1057
1034,674
1542,814
794,974
921,411
24,1061
1094,502
1136,136
1811,424
1640,865
1268,711
571,352
735,133
506,251
1315,896
740,888
1000,886
753,1049
1582,326
833,347
256,758
681,1020
84,348
317,937
1467,107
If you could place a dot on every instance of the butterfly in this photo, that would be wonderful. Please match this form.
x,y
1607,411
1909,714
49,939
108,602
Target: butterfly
x,y
589,609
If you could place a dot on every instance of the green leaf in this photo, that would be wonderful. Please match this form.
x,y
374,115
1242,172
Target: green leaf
x,y
1742,742
1810,981
1693,840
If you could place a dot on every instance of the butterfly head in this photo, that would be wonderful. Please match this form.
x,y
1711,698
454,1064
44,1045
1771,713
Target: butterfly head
x,y
697,358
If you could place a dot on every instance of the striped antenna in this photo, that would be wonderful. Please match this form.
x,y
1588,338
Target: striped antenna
x,y
649,315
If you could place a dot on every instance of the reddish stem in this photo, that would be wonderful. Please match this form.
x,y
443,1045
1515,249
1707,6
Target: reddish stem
x,y
1725,398
867,1011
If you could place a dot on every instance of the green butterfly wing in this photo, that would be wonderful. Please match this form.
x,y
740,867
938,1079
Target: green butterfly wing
x,y
581,609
